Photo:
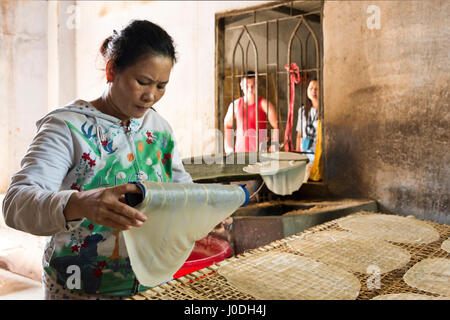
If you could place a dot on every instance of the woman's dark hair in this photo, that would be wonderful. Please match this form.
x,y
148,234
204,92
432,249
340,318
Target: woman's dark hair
x,y
138,38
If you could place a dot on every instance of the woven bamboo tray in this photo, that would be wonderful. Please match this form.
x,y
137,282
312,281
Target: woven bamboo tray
x,y
208,284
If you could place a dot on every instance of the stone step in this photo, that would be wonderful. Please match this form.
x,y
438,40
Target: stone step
x,y
256,225
16,287
21,253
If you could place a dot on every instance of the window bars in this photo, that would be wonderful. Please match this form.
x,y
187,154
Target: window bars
x,y
257,42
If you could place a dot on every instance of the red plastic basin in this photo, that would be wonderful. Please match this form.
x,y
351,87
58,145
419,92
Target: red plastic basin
x,y
206,252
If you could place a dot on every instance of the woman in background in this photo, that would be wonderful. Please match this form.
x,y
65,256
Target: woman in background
x,y
309,132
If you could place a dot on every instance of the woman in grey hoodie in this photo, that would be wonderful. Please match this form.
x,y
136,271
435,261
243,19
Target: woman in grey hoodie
x,y
81,161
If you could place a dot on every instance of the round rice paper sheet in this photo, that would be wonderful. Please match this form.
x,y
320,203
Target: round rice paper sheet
x,y
391,227
430,275
446,245
351,251
285,276
407,296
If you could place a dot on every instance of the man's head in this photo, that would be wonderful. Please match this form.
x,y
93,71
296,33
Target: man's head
x,y
248,84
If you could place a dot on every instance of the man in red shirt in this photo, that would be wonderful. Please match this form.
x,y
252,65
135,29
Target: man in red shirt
x,y
245,116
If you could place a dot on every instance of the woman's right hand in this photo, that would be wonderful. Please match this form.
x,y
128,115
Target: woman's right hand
x,y
105,206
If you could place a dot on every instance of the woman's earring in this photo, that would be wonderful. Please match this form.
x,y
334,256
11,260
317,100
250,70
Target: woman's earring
x,y
109,77
109,72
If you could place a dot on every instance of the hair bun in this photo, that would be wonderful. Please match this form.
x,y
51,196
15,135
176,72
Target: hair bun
x,y
104,46
138,38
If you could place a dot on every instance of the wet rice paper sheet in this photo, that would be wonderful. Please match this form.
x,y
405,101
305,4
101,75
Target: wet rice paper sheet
x,y
177,216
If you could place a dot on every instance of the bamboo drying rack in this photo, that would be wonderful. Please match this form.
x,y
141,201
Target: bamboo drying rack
x,y
208,284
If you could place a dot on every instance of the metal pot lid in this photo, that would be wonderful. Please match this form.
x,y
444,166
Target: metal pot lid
x,y
272,167
283,156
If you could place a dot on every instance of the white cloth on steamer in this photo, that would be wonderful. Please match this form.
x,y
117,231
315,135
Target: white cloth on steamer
x,y
177,216
282,175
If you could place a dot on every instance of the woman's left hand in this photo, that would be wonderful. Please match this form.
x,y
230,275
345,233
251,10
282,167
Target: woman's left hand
x,y
221,231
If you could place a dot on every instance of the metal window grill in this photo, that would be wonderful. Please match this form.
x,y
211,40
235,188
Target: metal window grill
x,y
265,40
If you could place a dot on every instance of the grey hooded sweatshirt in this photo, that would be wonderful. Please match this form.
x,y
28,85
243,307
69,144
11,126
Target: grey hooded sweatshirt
x,y
78,148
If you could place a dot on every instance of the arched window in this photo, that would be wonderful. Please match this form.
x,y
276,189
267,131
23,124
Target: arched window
x,y
265,40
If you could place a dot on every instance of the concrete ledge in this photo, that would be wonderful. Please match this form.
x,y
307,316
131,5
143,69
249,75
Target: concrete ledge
x,y
298,221
21,253
15,287
250,231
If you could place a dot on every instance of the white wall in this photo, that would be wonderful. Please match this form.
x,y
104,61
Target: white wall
x,y
189,102
49,56
23,79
